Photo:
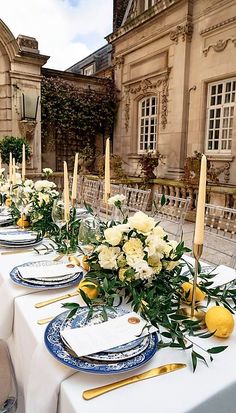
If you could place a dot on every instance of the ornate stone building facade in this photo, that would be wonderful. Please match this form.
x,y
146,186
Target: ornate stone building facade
x,y
20,79
175,69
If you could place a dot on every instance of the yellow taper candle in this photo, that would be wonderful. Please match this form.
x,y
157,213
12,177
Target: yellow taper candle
x,y
66,193
10,167
75,178
23,162
107,183
200,215
13,171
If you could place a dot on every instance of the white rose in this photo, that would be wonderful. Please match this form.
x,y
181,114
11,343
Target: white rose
x,y
141,222
107,257
28,182
123,227
47,171
113,236
142,270
116,198
159,231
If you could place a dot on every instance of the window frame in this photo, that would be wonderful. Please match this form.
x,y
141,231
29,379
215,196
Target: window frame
x,y
223,105
145,98
90,66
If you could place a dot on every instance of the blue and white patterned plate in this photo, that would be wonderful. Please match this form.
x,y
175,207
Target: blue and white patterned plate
x,y
122,352
57,348
19,243
73,279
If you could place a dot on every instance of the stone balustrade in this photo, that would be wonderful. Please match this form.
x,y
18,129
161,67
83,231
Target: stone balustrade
x,y
217,194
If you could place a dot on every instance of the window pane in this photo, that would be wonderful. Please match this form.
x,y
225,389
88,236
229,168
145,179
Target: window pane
x,y
147,124
219,99
228,87
220,88
213,99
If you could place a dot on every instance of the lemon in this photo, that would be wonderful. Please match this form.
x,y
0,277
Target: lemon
x,y
85,286
84,263
187,292
8,202
23,223
220,320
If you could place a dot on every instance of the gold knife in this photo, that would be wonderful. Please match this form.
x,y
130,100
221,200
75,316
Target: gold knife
x,y
158,371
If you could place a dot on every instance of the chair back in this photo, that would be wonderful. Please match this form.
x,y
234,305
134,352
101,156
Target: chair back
x,y
136,199
8,389
90,191
220,235
171,209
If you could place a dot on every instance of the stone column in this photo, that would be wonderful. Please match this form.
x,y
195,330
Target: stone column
x,y
178,92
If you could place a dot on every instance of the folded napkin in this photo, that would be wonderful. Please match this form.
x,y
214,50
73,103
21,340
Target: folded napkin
x,y
49,271
99,337
224,275
17,236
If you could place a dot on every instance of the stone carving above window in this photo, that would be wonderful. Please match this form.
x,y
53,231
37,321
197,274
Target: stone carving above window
x,y
223,23
144,87
218,46
183,32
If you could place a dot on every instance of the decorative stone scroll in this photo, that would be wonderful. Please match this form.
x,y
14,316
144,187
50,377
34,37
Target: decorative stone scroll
x,y
144,87
183,31
218,46
118,62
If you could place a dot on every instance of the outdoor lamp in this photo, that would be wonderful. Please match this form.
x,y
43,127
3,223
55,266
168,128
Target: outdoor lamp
x,y
29,107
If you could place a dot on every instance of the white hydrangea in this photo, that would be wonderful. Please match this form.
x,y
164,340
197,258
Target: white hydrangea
x,y
44,185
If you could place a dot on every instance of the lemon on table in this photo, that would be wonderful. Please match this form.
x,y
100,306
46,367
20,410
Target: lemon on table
x,y
84,263
187,293
8,202
23,223
220,320
86,287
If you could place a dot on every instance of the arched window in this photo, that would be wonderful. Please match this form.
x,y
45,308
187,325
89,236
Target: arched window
x,y
147,124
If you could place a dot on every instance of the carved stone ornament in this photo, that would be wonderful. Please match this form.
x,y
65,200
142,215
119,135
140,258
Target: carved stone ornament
x,y
219,46
27,128
143,88
184,32
118,62
214,172
27,43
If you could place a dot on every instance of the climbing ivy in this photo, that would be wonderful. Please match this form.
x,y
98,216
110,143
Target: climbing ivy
x,y
76,113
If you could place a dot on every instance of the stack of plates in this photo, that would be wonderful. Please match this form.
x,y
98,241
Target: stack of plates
x,y
115,360
18,238
45,283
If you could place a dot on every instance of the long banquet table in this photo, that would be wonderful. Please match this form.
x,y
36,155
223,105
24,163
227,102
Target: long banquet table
x,y
46,386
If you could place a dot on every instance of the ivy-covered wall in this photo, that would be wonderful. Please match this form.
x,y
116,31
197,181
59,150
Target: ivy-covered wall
x,y
74,116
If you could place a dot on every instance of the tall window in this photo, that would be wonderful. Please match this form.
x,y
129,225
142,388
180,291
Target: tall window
x,y
147,124
149,3
221,102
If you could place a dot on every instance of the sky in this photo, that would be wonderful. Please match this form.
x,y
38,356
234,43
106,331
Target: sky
x,y
66,30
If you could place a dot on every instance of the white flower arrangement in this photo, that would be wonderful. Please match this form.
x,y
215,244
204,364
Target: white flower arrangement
x,y
140,247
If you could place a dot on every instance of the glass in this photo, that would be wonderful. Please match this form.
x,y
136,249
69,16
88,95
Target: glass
x,y
89,233
58,213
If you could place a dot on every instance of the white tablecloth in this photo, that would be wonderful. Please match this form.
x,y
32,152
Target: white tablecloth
x,y
41,377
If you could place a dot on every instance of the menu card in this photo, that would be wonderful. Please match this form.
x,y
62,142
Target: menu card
x,y
114,332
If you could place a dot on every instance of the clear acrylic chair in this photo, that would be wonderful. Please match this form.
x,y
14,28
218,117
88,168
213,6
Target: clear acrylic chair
x,y
8,388
136,199
220,235
90,192
109,211
171,212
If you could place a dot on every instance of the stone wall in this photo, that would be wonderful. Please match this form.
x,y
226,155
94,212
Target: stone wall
x,y
20,73
172,51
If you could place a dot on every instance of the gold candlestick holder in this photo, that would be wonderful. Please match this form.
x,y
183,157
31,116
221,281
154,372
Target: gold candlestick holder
x,y
192,313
